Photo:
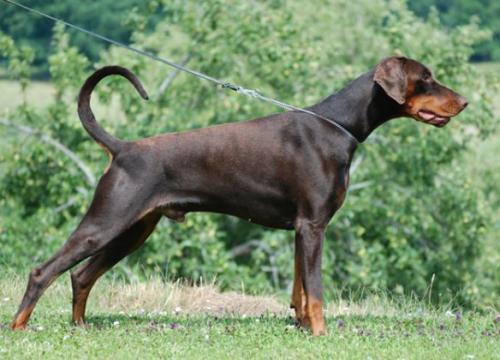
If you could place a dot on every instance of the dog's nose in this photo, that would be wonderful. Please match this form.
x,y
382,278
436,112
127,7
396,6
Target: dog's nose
x,y
463,102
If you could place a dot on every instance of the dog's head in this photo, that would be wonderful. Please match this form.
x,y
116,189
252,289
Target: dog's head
x,y
420,96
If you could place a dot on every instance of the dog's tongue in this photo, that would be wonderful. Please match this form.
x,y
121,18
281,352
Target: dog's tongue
x,y
426,115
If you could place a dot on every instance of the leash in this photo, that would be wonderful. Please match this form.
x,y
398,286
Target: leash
x,y
223,84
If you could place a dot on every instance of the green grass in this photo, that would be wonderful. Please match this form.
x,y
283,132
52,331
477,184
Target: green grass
x,y
489,67
147,321
39,94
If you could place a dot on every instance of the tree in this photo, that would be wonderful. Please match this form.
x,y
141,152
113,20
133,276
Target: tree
x,y
458,12
106,17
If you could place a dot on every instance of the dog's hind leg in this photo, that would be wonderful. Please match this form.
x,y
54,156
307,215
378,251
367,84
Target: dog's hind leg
x,y
84,278
118,203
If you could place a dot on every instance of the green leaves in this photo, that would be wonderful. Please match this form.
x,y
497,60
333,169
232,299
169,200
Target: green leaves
x,y
64,61
20,60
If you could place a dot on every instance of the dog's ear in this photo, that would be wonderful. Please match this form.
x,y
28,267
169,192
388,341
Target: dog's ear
x,y
391,76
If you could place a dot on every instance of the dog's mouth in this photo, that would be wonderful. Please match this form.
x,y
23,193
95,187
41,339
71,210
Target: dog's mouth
x,y
432,118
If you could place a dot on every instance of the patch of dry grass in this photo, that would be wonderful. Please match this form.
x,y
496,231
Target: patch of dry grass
x,y
158,296
153,296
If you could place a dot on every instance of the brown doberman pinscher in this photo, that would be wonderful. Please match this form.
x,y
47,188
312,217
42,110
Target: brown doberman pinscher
x,y
285,171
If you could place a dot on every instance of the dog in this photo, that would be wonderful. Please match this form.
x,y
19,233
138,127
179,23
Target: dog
x,y
285,171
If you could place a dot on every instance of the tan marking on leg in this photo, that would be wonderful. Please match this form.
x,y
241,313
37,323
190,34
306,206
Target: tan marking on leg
x,y
299,296
314,309
80,296
21,319
79,309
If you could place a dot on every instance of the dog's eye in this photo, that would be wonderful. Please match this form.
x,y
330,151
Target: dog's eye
x,y
426,77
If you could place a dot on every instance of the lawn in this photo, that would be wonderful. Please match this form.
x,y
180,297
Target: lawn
x,y
164,320
39,93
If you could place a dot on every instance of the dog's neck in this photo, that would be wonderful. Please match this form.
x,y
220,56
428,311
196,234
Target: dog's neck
x,y
360,107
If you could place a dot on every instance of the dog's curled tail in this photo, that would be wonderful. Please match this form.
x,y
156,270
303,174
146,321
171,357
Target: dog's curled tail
x,y
110,143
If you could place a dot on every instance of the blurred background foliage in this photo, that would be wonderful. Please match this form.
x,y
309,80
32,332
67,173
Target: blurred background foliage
x,y
459,12
421,214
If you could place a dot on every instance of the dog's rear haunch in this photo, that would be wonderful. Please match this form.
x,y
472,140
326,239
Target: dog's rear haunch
x,y
286,171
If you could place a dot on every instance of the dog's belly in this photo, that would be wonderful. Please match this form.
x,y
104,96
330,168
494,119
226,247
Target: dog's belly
x,y
270,214
276,222
270,211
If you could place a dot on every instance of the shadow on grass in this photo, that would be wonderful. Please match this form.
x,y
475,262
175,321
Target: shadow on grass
x,y
105,321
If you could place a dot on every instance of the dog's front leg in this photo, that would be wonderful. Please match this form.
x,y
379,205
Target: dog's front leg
x,y
309,245
298,294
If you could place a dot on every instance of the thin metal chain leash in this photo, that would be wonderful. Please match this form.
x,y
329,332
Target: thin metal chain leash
x,y
221,83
